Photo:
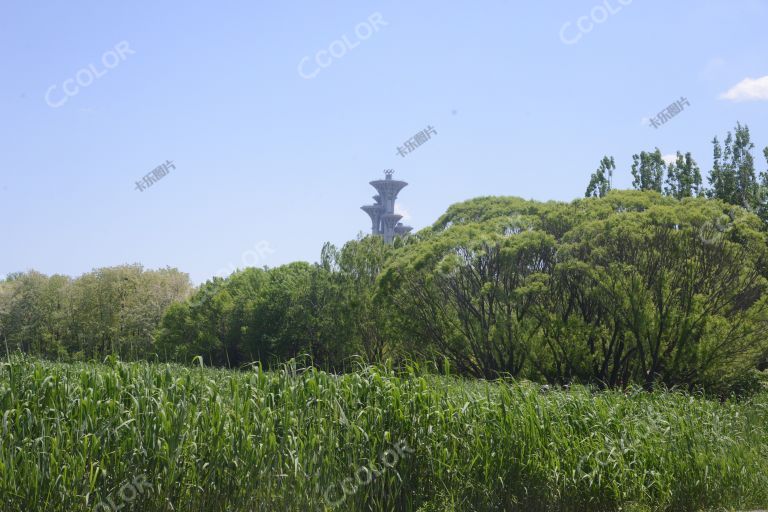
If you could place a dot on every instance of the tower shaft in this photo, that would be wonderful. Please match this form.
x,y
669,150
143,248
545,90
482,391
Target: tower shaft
x,y
384,221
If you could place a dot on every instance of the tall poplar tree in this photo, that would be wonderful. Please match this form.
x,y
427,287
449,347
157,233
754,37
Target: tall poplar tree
x,y
683,177
648,170
732,178
600,181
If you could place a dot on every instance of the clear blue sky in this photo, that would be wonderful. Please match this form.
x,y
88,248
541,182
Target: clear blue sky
x,y
262,154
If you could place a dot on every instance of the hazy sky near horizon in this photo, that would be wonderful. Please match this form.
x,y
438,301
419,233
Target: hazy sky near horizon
x,y
276,115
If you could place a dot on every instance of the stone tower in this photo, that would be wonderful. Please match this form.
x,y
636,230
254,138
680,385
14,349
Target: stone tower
x,y
384,221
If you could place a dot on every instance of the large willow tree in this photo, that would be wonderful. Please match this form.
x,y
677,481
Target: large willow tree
x,y
630,288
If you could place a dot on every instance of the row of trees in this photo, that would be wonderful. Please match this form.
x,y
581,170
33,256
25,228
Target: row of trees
x,y
633,287
324,310
663,284
108,311
733,177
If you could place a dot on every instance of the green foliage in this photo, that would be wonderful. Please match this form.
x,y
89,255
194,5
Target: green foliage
x,y
481,209
31,315
217,440
324,311
355,269
648,171
733,177
633,288
600,181
652,286
108,311
683,178
665,295
254,315
469,290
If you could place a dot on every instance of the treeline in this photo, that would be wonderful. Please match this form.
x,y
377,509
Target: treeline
x,y
325,311
631,288
733,177
647,287
108,311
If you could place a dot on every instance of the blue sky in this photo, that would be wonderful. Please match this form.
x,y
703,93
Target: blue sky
x,y
524,102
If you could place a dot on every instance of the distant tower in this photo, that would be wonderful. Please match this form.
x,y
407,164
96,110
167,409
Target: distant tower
x,y
384,221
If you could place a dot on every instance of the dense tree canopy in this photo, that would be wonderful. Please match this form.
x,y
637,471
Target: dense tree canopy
x,y
323,311
108,311
630,288
664,284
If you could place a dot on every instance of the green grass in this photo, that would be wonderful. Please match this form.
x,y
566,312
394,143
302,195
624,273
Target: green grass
x,y
215,440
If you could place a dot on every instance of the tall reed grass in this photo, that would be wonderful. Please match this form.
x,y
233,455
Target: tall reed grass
x,y
217,440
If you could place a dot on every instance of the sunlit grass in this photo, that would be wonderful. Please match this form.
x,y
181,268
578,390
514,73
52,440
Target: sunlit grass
x,y
74,434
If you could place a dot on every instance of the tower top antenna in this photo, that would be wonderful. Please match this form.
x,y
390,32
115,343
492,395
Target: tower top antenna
x,y
388,173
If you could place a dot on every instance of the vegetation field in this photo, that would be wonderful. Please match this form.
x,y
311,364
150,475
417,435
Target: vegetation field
x,y
157,437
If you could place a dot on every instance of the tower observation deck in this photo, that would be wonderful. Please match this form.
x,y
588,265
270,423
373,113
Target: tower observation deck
x,y
384,221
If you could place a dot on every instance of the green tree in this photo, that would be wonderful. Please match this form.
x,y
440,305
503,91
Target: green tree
x,y
634,287
213,322
467,294
664,295
600,181
267,315
354,270
116,310
683,177
732,178
32,313
761,208
648,170
108,311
